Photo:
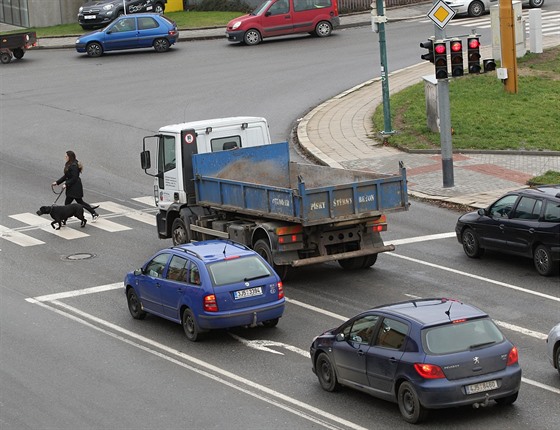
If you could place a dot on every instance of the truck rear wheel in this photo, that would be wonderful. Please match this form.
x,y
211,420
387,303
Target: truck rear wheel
x,y
358,262
263,249
179,232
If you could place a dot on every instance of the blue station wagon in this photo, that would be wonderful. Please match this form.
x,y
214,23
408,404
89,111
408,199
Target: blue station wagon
x,y
422,354
143,30
206,285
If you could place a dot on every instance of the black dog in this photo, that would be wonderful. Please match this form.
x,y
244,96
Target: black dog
x,y
61,213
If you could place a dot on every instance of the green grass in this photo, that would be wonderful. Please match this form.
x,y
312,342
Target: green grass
x,y
483,115
550,177
184,20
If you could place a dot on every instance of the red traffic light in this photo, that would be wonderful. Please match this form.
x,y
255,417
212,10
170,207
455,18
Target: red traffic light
x,y
440,48
474,43
456,46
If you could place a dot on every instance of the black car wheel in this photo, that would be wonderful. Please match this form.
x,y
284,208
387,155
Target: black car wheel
x,y
263,249
323,29
543,261
5,58
409,405
557,359
252,37
18,53
476,8
190,326
158,8
326,373
178,232
471,245
271,323
134,305
94,49
536,3
504,401
161,45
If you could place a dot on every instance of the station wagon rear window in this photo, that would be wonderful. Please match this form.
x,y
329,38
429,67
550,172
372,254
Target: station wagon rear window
x,y
235,270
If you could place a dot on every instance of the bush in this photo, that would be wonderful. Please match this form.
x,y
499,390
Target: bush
x,y
221,5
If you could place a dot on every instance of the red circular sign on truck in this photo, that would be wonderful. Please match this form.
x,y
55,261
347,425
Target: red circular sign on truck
x,y
189,138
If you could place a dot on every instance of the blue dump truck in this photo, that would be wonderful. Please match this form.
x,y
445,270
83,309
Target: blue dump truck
x,y
292,214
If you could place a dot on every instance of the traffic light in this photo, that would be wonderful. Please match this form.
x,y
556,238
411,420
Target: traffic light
x,y
456,48
489,65
473,54
429,45
440,59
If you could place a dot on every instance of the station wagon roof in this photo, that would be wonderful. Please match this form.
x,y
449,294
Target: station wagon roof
x,y
215,250
217,122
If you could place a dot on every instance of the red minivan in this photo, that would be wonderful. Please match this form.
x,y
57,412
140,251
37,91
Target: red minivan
x,y
282,17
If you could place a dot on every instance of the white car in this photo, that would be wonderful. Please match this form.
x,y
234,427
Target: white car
x,y
553,346
478,7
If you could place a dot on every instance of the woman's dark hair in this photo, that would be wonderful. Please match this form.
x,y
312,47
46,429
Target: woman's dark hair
x,y
71,160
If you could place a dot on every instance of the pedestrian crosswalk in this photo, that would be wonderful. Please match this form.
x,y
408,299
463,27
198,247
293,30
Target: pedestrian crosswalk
x,y
26,224
550,22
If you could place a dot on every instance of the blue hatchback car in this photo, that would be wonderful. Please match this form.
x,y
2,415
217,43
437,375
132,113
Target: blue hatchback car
x,y
206,285
142,30
422,354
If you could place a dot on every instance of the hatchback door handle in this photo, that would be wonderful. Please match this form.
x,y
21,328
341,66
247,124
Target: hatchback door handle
x,y
392,360
361,352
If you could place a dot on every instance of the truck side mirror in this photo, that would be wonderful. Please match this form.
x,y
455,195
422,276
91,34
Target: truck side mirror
x,y
145,160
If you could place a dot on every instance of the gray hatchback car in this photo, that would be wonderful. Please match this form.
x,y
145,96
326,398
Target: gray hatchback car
x,y
553,346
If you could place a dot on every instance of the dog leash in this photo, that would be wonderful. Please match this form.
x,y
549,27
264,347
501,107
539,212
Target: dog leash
x,y
58,194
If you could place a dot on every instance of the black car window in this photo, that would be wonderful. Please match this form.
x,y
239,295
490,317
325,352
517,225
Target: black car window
x,y
463,336
551,212
146,23
177,269
527,208
362,329
391,334
156,266
503,207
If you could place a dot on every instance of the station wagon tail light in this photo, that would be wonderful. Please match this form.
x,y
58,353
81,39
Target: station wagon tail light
x,y
280,290
429,371
513,356
210,304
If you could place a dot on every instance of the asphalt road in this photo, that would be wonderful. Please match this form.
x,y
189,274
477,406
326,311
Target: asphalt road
x,y
78,360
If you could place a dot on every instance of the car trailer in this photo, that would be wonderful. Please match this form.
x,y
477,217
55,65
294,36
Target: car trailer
x,y
15,45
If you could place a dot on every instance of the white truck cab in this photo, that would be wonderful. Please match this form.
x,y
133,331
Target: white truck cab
x,y
174,145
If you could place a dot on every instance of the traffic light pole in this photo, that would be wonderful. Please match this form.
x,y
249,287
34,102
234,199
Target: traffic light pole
x,y
444,108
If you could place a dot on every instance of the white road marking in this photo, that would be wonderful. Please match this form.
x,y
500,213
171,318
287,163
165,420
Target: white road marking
x,y
522,330
110,226
543,386
76,293
262,345
147,200
422,238
126,211
35,220
204,368
18,238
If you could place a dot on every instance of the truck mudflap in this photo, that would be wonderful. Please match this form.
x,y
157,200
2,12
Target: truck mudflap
x,y
342,256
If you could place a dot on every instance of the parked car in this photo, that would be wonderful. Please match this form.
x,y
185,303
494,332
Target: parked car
x,y
478,7
206,285
98,13
524,222
130,32
553,347
422,354
283,17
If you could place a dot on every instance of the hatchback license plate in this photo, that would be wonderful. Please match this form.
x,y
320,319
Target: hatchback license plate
x,y
249,292
483,386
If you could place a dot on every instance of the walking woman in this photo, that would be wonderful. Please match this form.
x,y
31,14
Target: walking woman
x,y
73,183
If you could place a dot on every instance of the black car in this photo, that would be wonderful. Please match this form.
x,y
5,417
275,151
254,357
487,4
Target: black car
x,y
422,354
99,13
524,222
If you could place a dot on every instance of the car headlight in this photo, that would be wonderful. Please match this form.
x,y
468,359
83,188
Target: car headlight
x,y
81,9
108,7
78,40
236,25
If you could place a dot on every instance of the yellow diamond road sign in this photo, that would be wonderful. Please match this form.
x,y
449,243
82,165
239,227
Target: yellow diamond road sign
x,y
441,14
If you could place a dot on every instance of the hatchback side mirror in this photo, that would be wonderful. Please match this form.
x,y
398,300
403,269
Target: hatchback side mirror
x,y
481,212
340,337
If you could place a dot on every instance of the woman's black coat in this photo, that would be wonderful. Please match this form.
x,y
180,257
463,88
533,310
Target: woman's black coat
x,y
73,182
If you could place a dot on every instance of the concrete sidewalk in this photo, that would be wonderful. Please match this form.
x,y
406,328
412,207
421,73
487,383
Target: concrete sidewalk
x,y
339,131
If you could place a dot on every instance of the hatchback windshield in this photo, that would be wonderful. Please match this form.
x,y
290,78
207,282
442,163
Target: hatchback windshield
x,y
463,336
238,270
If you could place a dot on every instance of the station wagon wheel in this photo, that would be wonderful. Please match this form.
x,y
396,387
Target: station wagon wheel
x,y
161,45
134,305
178,232
271,323
263,249
471,244
543,261
252,37
190,326
326,373
409,405
94,49
509,400
476,8
18,53
323,29
5,58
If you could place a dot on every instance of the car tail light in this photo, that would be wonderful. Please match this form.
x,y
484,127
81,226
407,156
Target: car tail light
x,y
280,290
172,32
210,304
429,371
513,356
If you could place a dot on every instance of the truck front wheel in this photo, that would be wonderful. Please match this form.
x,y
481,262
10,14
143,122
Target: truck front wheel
x,y
263,249
179,232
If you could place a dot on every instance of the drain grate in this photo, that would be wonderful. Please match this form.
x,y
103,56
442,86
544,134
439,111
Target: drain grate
x,y
80,256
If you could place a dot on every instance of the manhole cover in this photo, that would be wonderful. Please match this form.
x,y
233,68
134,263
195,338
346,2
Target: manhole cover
x,y
80,256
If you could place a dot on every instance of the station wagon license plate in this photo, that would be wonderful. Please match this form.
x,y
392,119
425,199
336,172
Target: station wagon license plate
x,y
249,292
483,386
